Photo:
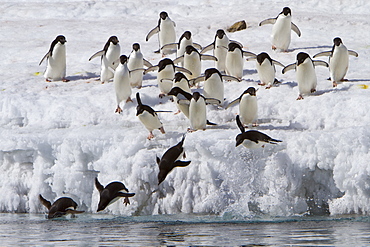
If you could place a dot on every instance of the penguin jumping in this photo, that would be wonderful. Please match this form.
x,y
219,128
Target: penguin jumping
x,y
338,60
56,57
111,193
170,160
60,207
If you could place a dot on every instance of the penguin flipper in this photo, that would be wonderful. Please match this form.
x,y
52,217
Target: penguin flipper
x,y
169,46
97,54
249,54
320,63
322,54
152,32
183,102
267,21
289,67
181,69
239,123
274,141
158,160
352,53
235,101
47,55
230,78
296,29
208,48
98,185
147,63
208,57
210,123
180,163
197,46
197,80
212,101
150,69
121,194
45,202
277,63
179,59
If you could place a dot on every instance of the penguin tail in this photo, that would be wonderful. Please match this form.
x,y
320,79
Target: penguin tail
x,y
210,123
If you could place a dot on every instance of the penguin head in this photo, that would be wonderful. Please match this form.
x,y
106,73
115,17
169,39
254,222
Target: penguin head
x,y
104,200
175,91
286,11
232,46
301,57
239,140
196,96
337,41
164,62
136,46
189,49
251,91
162,175
262,56
163,15
220,33
61,39
209,72
186,35
113,39
179,76
123,59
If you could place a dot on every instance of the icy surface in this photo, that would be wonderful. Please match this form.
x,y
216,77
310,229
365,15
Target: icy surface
x,y
56,137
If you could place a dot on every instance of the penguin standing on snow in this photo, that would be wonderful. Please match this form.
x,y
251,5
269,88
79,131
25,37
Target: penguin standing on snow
x,y
219,46
338,60
181,95
182,83
109,55
111,193
60,207
121,82
184,41
248,109
213,84
266,69
56,57
192,61
281,31
166,72
234,60
252,138
170,160
165,30
148,117
136,61
305,73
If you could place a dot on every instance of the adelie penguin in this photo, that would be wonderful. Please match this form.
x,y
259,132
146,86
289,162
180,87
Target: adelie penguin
x,y
111,193
281,30
180,84
166,31
136,61
305,73
184,41
109,55
166,73
234,62
56,60
266,69
252,138
192,61
61,207
121,82
338,60
213,84
148,117
219,47
170,160
248,108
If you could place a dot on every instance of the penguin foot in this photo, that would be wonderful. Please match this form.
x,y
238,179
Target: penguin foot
x,y
300,97
126,201
162,130
65,80
161,95
118,110
313,90
190,130
177,112
150,136
129,100
48,80
261,83
335,84
273,47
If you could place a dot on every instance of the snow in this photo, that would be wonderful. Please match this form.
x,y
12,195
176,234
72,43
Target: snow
x,y
56,137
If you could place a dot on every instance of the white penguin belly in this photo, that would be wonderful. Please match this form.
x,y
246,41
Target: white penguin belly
x,y
167,33
165,78
136,77
214,88
306,78
193,64
106,72
56,68
220,52
338,64
150,122
266,72
121,84
184,108
197,114
234,64
281,33
248,109
249,144
112,56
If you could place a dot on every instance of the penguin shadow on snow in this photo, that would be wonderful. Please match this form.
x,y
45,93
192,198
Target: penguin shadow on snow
x,y
249,72
339,88
310,47
83,76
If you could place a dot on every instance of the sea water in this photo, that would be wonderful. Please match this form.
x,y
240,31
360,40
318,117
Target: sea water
x,y
182,230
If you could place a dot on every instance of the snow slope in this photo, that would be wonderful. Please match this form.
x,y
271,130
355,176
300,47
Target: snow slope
x,y
56,137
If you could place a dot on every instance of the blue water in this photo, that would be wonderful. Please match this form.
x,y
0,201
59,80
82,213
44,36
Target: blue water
x,y
182,230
